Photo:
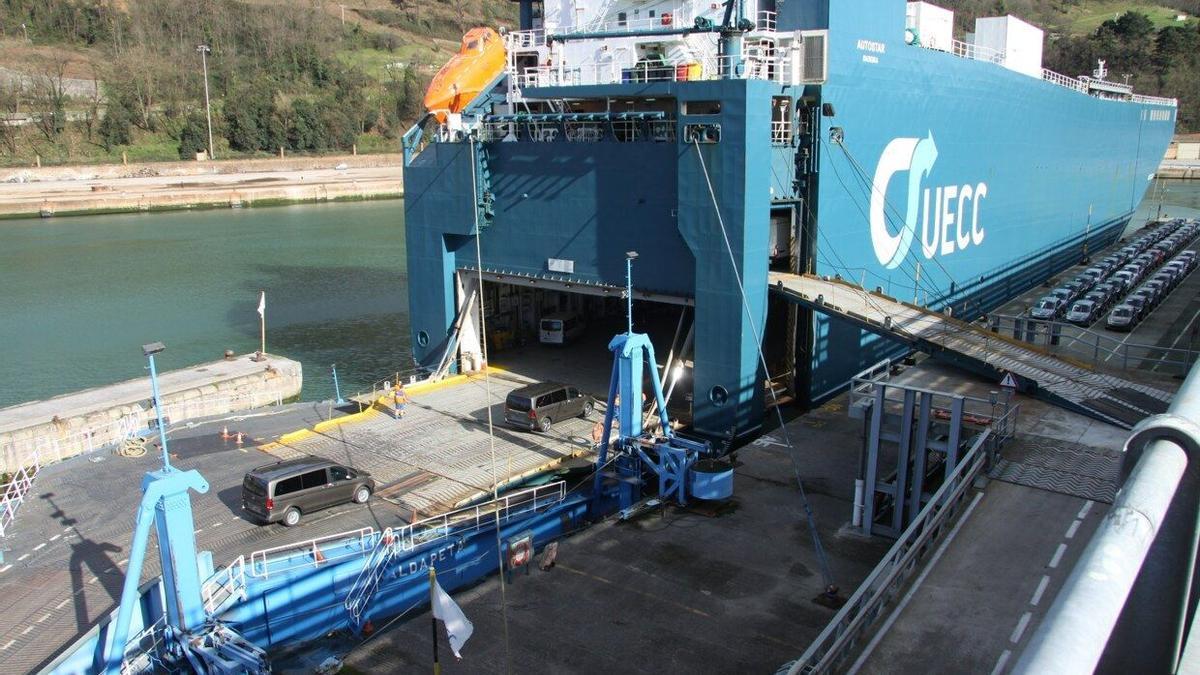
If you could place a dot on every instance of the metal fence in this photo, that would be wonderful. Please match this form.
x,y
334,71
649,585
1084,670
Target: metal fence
x,y
883,586
1091,347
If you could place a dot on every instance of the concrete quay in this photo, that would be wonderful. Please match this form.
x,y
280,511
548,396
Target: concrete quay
x,y
1179,168
54,429
186,185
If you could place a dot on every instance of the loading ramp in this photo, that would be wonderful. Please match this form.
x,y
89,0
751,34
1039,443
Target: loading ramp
x,y
1059,381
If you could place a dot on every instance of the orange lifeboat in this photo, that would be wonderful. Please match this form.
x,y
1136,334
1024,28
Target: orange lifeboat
x,y
477,63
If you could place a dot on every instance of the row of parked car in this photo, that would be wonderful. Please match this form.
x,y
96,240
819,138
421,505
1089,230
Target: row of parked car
x,y
1109,284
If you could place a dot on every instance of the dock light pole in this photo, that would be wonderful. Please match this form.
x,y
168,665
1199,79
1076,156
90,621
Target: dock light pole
x,y
204,51
150,350
630,256
336,389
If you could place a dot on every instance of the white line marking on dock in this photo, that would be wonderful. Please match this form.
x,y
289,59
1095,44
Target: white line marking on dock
x,y
1000,662
5,568
1037,595
39,547
123,561
1073,529
1058,554
1087,507
27,629
1021,626
55,537
67,528
217,524
199,530
62,604
23,557
93,580
44,617
862,659
7,645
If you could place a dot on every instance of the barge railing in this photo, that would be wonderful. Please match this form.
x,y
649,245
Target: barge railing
x,y
229,583
334,547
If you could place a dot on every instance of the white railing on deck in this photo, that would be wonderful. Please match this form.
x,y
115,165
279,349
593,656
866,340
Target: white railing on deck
x,y
1154,100
306,553
525,39
1063,81
15,491
224,585
970,51
141,651
711,68
311,553
677,17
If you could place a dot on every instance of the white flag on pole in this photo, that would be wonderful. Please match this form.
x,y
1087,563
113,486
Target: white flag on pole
x,y
458,628
262,303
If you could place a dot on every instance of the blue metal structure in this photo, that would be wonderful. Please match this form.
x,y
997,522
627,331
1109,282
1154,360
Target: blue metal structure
x,y
667,455
190,637
1011,167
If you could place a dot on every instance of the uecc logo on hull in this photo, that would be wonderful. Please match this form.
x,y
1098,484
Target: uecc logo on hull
x,y
954,224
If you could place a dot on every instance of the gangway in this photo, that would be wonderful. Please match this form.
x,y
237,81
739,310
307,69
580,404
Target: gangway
x,y
1054,379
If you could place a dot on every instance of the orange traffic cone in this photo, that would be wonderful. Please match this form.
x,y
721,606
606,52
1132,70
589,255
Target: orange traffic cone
x,y
240,437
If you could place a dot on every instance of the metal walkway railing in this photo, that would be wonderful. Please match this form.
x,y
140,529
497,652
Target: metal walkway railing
x,y
1094,348
883,586
1054,378
1157,506
16,490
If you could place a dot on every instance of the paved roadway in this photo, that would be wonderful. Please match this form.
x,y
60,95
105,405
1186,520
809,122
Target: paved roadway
x,y
65,558
990,582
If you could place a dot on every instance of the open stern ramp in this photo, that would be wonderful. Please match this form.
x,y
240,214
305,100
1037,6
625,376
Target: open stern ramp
x,y
1104,397
439,455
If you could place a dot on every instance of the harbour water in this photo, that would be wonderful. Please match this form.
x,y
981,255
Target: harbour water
x,y
79,296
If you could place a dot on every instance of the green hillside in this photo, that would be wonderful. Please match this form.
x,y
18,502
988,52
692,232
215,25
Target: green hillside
x,y
91,80
88,80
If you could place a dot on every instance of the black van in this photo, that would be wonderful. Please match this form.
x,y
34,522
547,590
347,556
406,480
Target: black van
x,y
537,406
284,491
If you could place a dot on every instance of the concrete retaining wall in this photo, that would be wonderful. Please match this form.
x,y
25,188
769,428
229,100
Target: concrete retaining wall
x,y
64,426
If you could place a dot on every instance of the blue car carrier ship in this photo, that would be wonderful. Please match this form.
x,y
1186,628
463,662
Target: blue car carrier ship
x,y
720,140
716,143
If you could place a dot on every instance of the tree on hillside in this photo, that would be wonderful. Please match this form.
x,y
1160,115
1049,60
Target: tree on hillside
x,y
193,136
50,98
116,127
10,104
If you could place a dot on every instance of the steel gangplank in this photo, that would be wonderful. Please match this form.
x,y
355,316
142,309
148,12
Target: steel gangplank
x,y
1108,398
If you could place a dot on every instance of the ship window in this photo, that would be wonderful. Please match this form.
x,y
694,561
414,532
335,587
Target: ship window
x,y
718,395
781,120
423,338
621,18
651,14
701,107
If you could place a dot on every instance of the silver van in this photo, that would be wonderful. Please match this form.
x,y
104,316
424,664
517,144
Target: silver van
x,y
285,491
538,406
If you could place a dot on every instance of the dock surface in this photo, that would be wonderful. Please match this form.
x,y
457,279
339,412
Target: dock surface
x,y
65,557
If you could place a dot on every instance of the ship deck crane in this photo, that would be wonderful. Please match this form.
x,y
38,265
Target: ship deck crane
x,y
635,451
